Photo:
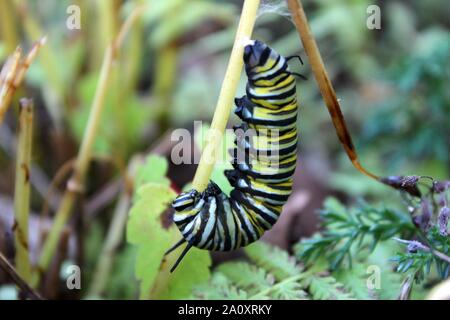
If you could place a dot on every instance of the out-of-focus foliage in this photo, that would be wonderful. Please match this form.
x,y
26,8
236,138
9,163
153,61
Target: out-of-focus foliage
x,y
416,111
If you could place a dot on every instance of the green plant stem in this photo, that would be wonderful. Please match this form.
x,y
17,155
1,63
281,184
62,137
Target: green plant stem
x,y
76,182
22,189
226,96
165,77
112,242
49,62
106,25
8,26
16,69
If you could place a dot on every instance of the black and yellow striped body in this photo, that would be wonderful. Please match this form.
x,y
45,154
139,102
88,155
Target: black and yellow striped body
x,y
264,162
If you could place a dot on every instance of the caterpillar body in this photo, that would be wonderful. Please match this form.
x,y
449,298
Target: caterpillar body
x,y
262,180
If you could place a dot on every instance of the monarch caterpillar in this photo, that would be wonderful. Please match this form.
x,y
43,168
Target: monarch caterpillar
x,y
262,182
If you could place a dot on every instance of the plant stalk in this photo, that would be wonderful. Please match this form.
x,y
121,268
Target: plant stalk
x,y
75,184
325,85
226,96
13,73
8,25
21,283
22,189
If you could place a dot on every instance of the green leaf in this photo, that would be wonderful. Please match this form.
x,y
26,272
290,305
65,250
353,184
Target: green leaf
x,y
273,259
192,271
354,280
327,288
247,277
219,288
145,230
153,170
244,280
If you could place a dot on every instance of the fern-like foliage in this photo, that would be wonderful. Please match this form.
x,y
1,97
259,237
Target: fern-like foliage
x,y
345,230
419,261
328,288
351,257
271,274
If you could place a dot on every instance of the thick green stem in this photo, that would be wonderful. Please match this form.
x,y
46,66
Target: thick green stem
x,y
22,189
226,96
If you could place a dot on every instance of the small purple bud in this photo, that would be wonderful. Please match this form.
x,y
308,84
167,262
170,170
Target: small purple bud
x,y
443,218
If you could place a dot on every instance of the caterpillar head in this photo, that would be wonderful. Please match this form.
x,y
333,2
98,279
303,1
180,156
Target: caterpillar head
x,y
256,54
186,200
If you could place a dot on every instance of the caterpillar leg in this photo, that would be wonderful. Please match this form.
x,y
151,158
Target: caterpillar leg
x,y
244,108
295,56
176,245
185,250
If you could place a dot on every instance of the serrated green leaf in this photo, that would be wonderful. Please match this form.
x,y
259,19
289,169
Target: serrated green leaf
x,y
273,259
354,280
245,276
219,288
145,230
327,288
192,271
153,170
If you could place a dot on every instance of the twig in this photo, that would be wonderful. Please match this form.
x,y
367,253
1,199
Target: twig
x,y
102,198
62,172
22,189
51,283
226,96
76,182
38,178
325,86
21,283
420,246
13,73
